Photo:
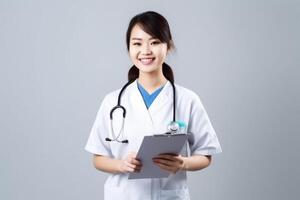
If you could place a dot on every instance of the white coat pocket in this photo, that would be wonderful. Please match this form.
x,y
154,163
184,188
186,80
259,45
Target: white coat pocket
x,y
177,194
113,192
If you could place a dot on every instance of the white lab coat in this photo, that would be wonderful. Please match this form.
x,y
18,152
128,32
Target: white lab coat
x,y
139,122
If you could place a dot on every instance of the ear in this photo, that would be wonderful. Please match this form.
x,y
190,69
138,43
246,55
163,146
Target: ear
x,y
168,51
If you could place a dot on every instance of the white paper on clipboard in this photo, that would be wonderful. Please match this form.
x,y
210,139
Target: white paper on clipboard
x,y
153,146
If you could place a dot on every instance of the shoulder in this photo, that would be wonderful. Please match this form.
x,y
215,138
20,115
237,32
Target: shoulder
x,y
185,92
188,95
107,101
112,96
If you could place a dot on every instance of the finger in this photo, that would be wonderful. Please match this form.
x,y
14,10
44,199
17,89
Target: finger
x,y
167,157
132,154
164,162
138,168
135,162
170,154
133,166
175,159
166,168
129,160
129,169
176,165
130,165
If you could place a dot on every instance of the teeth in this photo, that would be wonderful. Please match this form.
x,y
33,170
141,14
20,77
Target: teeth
x,y
146,60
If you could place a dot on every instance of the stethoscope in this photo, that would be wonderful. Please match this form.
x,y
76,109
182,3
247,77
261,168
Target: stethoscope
x,y
173,127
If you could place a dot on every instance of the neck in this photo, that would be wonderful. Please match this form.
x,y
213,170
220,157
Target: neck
x,y
152,81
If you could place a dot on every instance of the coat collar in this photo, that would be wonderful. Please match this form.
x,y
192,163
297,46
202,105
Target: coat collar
x,y
136,99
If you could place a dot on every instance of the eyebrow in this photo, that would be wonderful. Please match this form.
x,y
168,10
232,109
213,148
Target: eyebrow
x,y
152,38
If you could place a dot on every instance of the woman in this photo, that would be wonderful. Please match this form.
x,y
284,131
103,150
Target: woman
x,y
149,107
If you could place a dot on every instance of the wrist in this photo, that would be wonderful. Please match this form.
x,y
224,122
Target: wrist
x,y
184,164
119,164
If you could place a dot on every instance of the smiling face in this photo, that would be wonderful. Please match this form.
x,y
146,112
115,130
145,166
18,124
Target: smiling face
x,y
146,53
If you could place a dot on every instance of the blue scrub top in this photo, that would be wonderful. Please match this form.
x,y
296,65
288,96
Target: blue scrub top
x,y
148,98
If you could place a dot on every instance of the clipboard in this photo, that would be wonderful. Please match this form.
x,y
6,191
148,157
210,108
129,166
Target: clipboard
x,y
152,146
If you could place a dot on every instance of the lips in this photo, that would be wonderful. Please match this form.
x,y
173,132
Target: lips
x,y
146,61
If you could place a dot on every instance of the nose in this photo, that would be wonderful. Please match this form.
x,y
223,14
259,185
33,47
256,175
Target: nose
x,y
146,50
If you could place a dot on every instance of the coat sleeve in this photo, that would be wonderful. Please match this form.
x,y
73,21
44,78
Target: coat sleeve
x,y
201,135
96,143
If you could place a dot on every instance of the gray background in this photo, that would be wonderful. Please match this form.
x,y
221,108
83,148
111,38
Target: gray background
x,y
59,58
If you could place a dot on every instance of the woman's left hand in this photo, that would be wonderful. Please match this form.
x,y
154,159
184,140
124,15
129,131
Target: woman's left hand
x,y
169,162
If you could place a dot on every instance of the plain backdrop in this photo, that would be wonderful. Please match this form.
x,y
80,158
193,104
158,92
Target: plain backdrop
x,y
58,59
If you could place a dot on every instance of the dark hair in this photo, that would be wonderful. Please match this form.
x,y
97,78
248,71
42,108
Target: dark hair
x,y
157,26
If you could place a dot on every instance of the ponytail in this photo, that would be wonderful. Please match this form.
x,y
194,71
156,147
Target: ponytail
x,y
133,73
168,72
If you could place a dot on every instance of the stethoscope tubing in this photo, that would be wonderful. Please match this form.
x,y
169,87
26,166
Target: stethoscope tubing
x,y
119,106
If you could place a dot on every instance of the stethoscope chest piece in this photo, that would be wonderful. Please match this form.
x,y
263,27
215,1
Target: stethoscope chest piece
x,y
173,127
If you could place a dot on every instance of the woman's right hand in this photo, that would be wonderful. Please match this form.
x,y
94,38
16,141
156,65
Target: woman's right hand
x,y
130,164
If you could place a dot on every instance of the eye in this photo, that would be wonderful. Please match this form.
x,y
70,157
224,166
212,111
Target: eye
x,y
155,42
136,44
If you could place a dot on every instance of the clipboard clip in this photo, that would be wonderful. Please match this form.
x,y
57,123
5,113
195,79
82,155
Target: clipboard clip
x,y
169,134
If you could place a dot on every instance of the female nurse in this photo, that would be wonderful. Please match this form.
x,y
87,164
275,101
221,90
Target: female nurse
x,y
149,105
